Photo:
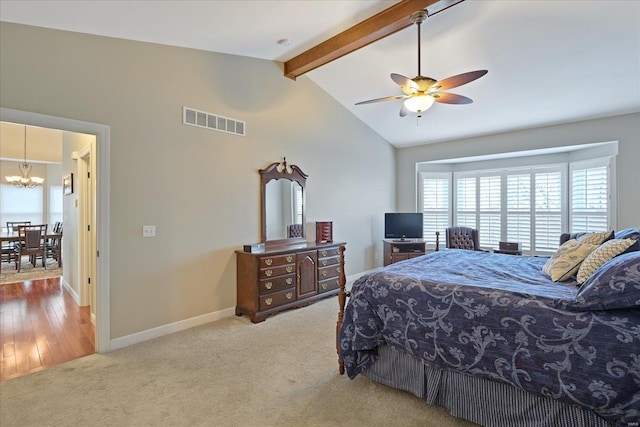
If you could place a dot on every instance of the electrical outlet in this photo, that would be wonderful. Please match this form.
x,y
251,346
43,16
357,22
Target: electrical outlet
x,y
148,231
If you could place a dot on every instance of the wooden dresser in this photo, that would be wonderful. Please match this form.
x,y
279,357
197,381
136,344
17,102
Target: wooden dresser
x,y
285,277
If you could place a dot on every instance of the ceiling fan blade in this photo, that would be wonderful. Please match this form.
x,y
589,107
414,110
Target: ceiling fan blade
x,y
388,98
404,111
459,80
451,98
404,82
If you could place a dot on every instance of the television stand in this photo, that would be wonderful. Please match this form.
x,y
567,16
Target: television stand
x,y
395,250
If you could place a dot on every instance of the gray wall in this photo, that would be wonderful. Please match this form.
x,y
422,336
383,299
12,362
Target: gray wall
x,y
199,187
625,129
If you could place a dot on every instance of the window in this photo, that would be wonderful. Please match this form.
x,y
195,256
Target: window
x,y
520,205
435,202
20,204
519,209
490,210
548,210
589,196
466,202
531,205
55,204
296,193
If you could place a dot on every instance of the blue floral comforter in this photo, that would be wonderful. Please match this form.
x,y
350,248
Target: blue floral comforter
x,y
498,317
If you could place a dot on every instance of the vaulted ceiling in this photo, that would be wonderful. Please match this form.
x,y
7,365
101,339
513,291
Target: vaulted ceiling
x,y
549,62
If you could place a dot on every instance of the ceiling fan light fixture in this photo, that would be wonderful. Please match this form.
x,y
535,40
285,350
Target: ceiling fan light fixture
x,y
419,103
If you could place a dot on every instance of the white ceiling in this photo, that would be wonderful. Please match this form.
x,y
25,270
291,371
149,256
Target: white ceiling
x,y
549,61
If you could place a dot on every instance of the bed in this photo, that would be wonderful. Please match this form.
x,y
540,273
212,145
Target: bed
x,y
494,340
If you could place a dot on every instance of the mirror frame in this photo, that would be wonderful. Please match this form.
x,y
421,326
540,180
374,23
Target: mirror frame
x,y
277,171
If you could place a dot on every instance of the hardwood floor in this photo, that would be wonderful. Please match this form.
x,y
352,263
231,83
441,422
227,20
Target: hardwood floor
x,y
41,326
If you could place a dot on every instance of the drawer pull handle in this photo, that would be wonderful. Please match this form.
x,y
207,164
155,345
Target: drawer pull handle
x,y
324,262
268,285
338,282
268,273
324,286
338,269
289,280
324,253
324,273
289,269
289,295
268,301
268,261
289,258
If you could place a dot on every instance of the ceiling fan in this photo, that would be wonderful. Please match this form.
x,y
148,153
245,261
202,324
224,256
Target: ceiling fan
x,y
421,92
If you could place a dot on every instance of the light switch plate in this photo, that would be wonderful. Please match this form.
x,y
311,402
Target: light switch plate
x,y
148,231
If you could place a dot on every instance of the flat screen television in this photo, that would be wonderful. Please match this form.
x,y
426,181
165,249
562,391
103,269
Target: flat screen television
x,y
403,225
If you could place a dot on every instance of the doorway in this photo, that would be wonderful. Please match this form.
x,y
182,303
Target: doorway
x,y
100,213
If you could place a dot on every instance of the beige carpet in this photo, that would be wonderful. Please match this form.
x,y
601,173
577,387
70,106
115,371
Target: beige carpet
x,y
282,372
9,274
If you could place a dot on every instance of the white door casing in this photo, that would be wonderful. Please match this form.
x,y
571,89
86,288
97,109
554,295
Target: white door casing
x,y
101,212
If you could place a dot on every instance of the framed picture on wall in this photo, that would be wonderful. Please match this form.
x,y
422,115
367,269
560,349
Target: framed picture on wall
x,y
67,184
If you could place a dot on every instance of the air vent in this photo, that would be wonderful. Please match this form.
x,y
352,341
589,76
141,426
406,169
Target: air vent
x,y
212,121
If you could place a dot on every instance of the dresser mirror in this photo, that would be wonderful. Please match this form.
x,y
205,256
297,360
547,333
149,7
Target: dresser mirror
x,y
283,194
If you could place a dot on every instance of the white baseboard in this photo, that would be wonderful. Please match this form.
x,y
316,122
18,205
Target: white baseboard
x,y
181,325
170,328
69,289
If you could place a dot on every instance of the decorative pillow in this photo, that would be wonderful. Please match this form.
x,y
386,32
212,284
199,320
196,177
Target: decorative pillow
x,y
596,238
630,233
603,253
615,285
567,259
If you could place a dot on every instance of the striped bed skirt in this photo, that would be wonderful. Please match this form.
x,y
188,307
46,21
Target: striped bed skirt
x,y
479,400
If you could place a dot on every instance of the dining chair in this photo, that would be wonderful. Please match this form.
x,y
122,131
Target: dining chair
x,y
12,226
54,244
32,240
8,248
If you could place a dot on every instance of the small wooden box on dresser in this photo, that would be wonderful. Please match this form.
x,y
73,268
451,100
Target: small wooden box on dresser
x,y
285,277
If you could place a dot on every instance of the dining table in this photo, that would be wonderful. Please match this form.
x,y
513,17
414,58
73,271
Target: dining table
x,y
53,237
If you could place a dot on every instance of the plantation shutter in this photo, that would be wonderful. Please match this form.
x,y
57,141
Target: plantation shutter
x,y
589,196
296,191
466,203
519,209
435,202
548,210
490,216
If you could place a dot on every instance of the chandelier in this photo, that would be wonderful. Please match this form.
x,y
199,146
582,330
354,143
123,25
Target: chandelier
x,y
24,180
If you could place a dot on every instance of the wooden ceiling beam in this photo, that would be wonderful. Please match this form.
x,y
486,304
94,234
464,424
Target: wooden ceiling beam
x,y
379,26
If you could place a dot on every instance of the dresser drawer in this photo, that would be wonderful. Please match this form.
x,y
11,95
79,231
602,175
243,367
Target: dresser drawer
x,y
281,270
276,299
277,283
328,252
323,262
276,260
328,272
328,284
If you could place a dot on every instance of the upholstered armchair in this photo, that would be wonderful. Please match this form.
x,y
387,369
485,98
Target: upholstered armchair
x,y
294,230
462,238
568,236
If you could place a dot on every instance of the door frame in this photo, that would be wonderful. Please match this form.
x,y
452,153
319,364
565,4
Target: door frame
x,y
102,207
87,221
